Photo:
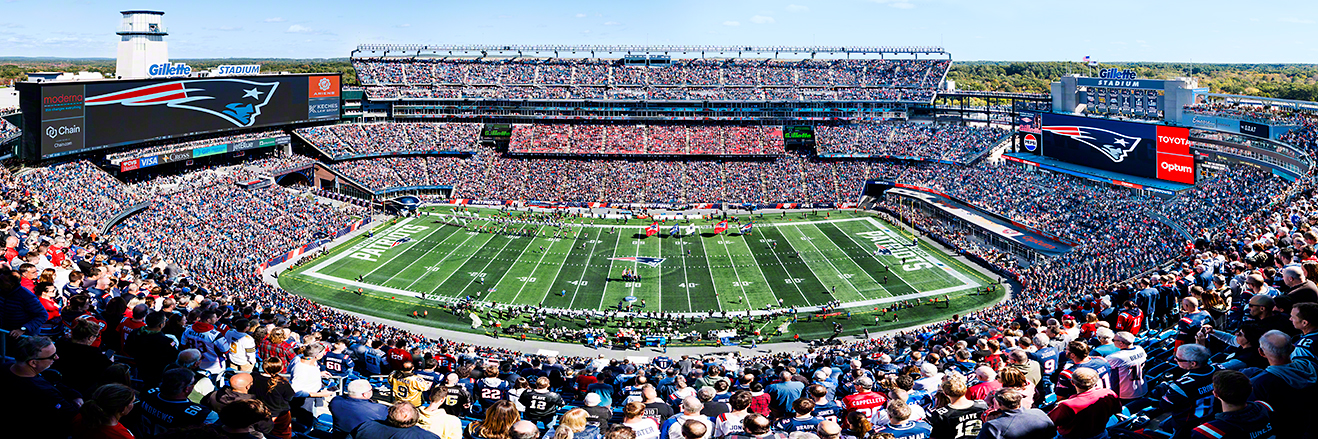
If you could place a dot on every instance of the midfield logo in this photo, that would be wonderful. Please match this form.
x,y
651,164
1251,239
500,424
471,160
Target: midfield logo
x,y
653,262
1112,144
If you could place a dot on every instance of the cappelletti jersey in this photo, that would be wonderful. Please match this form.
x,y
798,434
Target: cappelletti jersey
x,y
869,403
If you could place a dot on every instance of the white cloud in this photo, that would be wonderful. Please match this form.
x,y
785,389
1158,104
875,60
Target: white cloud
x,y
581,15
585,31
797,8
1296,20
899,4
275,20
762,19
732,23
405,25
611,23
298,29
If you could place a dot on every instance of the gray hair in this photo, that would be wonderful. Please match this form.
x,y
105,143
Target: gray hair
x,y
1125,338
1276,344
1194,353
692,405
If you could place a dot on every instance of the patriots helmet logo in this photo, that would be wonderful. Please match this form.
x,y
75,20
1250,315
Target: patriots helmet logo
x,y
653,262
1112,144
237,101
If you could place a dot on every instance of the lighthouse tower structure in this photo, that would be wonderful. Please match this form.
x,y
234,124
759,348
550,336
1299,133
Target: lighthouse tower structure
x,y
141,43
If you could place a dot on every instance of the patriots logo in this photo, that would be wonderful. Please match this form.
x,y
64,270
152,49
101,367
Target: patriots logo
x,y
1112,144
237,101
653,262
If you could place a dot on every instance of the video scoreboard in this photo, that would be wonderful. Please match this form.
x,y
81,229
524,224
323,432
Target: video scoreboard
x,y
1132,148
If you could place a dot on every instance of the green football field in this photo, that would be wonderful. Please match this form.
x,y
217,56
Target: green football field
x,y
799,261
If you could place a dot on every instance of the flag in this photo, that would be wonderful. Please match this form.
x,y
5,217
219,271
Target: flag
x,y
400,241
1090,61
721,226
653,229
676,229
746,229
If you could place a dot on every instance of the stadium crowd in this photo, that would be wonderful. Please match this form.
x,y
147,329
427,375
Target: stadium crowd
x,y
946,142
350,140
1252,112
147,151
146,321
643,139
8,131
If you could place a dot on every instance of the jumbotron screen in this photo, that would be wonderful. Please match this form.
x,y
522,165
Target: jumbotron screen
x,y
1139,149
84,116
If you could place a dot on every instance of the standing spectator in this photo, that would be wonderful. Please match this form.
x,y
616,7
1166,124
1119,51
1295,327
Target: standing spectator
x,y
755,426
930,378
988,383
274,346
656,408
205,337
1085,414
960,418
400,424
1182,397
242,347
99,416
1080,355
152,348
1007,420
490,389
32,406
865,400
306,381
1301,290
20,311
524,430
80,364
354,408
782,393
409,386
1128,367
277,394
541,403
1240,418
730,422
1192,320
239,420
1130,319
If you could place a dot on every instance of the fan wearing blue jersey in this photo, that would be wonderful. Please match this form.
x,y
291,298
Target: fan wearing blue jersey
x,y
1078,352
491,389
803,421
1240,418
1190,397
825,409
899,424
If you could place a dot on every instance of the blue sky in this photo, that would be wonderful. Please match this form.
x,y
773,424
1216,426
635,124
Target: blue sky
x,y
1114,30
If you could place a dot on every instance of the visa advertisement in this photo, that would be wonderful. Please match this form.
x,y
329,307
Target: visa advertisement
x,y
1139,149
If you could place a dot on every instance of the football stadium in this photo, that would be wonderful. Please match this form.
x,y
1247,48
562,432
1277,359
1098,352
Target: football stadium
x,y
536,241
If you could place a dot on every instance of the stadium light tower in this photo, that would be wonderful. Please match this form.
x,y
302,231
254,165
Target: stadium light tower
x,y
141,43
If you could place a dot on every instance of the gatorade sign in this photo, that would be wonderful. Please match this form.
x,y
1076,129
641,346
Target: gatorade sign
x,y
1175,163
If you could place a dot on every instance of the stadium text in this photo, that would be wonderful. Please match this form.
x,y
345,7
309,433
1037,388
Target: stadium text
x,y
167,69
238,70
898,248
373,251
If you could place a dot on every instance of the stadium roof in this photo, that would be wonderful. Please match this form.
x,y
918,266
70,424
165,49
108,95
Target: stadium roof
x,y
649,49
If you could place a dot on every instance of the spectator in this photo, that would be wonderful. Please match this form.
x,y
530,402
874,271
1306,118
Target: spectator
x,y
1240,418
1128,367
20,311
237,390
34,406
275,391
524,430
864,400
167,409
599,416
542,404
239,420
1182,396
783,393
80,364
755,426
1085,414
435,417
691,408
693,429
1286,387
400,424
99,416
634,417
152,348
1007,420
899,424
573,425
498,422
960,418
804,420
988,383
356,407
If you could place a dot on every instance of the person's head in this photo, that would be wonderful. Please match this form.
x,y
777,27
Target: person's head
x,y
402,415
692,405
1276,347
693,429
1192,356
360,389
1260,306
1232,387
954,386
864,384
1304,316
1007,399
1084,379
1189,304
107,403
1104,336
619,431
1077,351
706,393
524,430
1123,340
240,382
985,374
633,410
859,422
755,424
499,419
177,383
574,420
37,353
1292,276
898,411
188,357
1012,377
740,400
803,406
828,430
244,413
593,400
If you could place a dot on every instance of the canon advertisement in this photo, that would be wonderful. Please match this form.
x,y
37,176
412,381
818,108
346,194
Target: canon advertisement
x,y
1140,149
102,114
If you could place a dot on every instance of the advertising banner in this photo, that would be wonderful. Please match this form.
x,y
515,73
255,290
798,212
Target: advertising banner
x,y
1254,129
1140,149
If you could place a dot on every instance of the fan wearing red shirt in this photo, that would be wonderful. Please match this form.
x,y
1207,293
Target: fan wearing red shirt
x,y
1130,319
1085,414
865,400
398,355
129,325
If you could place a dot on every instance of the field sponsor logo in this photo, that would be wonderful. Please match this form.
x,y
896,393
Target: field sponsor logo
x,y
898,248
130,165
146,162
373,250
1112,144
653,262
237,101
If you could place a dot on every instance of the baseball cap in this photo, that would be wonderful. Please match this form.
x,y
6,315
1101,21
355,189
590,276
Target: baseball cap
x,y
865,382
822,374
592,399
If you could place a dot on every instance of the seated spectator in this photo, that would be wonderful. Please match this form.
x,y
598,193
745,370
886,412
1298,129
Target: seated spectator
x,y
960,418
33,406
400,424
1240,418
166,408
1182,396
239,420
355,407
1008,420
573,425
634,417
754,426
1085,414
498,422
804,420
1285,387
524,430
899,424
691,407
599,416
99,416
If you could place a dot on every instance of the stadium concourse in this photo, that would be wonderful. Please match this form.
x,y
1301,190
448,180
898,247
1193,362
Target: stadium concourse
x,y
167,303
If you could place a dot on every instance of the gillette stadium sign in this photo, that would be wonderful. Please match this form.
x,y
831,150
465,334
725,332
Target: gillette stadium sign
x,y
167,69
246,69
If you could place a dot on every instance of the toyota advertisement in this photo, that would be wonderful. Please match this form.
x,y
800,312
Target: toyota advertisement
x,y
1140,149
77,117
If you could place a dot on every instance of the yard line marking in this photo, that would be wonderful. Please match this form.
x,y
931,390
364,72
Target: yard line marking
x,y
738,275
830,263
780,262
593,247
762,276
360,245
464,262
537,264
521,227
844,252
559,272
610,272
423,256
459,267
